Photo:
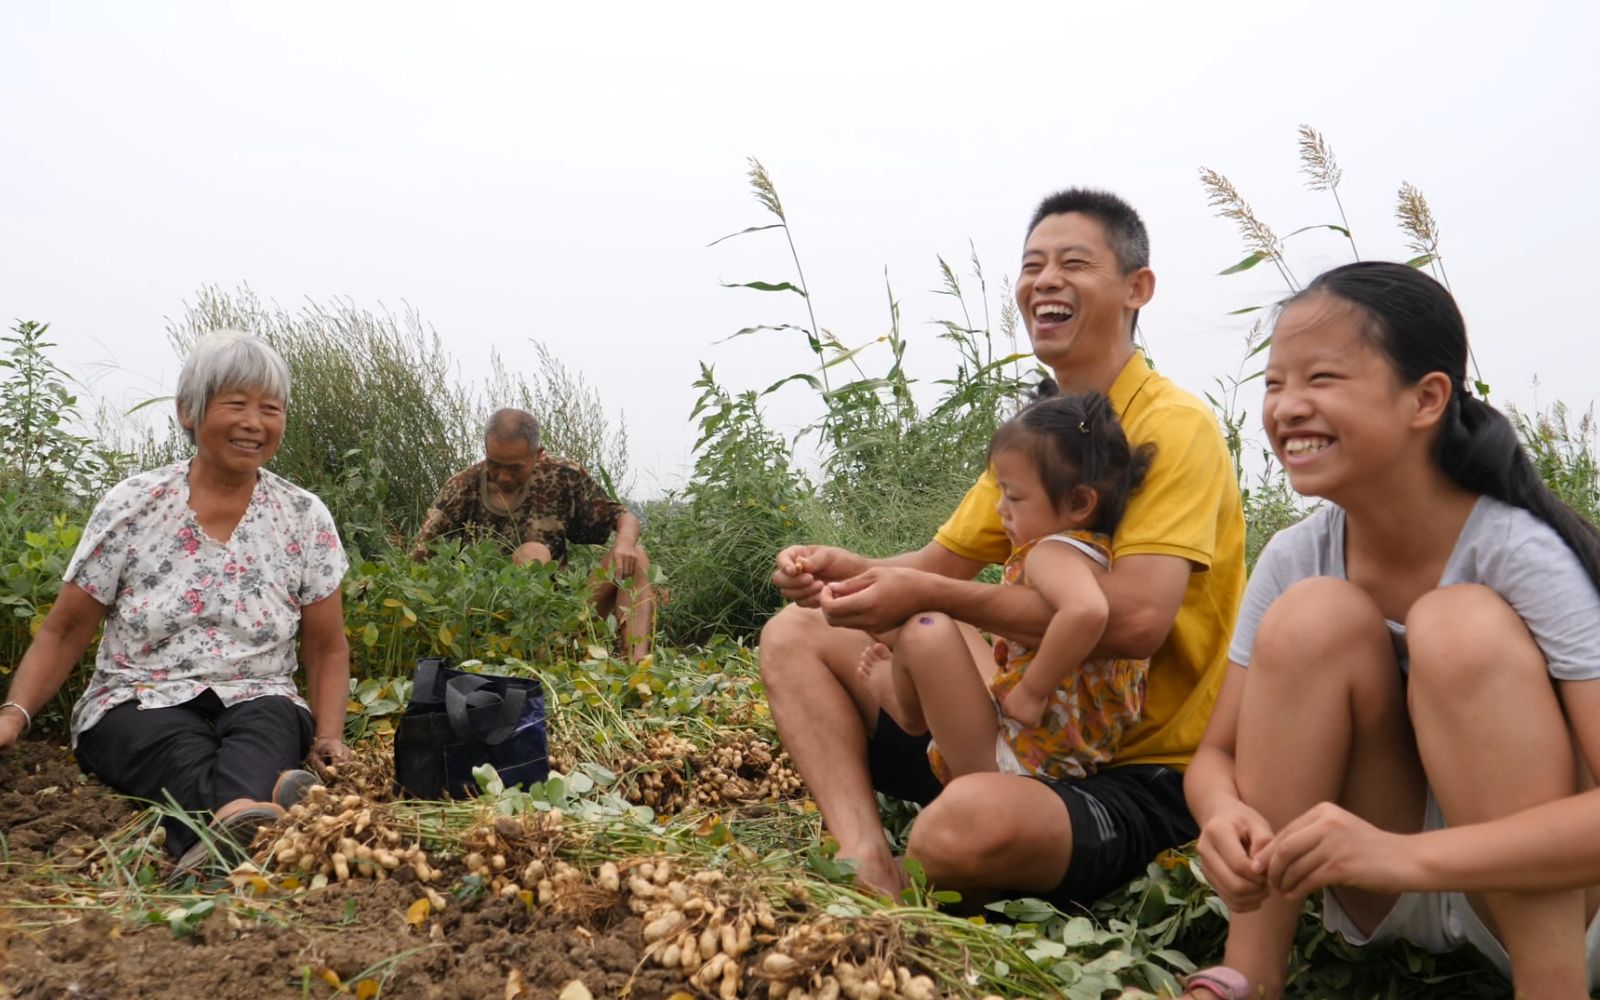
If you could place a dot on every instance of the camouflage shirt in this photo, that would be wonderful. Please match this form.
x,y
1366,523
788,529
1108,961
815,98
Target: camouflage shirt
x,y
561,503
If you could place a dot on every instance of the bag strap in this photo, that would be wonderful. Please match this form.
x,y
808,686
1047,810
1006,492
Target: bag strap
x,y
425,681
470,700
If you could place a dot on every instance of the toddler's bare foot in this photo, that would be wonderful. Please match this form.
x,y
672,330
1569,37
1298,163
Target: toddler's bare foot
x,y
876,671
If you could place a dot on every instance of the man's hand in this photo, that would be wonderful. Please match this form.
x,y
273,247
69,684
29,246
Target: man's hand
x,y
624,559
327,751
803,570
876,600
1328,845
1230,846
1024,705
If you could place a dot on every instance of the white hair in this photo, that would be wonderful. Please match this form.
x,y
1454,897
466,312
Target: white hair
x,y
228,359
512,425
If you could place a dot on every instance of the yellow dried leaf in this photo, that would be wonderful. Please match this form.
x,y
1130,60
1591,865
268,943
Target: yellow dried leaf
x,y
355,707
331,978
680,995
514,985
366,989
259,885
417,913
289,883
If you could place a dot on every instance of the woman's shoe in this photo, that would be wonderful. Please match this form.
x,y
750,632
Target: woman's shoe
x,y
1223,982
226,836
291,787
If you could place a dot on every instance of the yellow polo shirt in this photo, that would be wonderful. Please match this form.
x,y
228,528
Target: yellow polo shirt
x,y
1188,507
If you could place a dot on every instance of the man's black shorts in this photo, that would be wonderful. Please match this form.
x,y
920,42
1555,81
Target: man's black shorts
x,y
1121,817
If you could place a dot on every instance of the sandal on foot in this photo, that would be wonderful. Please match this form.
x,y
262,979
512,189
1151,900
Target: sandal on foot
x,y
1225,983
291,787
233,834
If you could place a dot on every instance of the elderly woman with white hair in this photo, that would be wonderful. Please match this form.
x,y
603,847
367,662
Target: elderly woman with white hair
x,y
204,573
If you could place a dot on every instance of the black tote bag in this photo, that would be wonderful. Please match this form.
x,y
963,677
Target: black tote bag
x,y
457,721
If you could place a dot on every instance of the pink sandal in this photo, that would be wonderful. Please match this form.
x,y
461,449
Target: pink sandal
x,y
1225,983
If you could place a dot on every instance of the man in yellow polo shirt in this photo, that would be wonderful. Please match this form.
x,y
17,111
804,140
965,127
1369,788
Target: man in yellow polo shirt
x,y
1173,590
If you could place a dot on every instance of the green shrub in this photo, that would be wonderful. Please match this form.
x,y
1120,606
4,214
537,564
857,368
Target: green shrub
x,y
717,538
890,474
1564,454
470,603
47,465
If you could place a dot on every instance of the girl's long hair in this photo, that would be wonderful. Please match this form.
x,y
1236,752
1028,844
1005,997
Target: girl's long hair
x,y
1416,322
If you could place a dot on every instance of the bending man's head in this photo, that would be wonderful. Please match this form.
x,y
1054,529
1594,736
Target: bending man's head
x,y
510,448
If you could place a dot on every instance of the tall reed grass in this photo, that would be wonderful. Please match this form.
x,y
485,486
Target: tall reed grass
x,y
381,415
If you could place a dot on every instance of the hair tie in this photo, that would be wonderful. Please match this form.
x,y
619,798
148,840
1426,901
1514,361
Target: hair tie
x,y
1083,428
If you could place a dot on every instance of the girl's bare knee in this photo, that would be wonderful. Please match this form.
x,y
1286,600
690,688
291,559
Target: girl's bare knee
x,y
1316,620
1461,636
928,631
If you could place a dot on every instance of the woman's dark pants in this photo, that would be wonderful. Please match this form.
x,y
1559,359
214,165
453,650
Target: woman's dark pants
x,y
201,753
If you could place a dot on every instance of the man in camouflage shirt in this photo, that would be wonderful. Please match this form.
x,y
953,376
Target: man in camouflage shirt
x,y
533,504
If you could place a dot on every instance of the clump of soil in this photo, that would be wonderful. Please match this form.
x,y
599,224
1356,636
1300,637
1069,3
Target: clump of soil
x,y
48,806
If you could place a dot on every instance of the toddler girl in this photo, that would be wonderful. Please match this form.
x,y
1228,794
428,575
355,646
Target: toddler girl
x,y
1065,472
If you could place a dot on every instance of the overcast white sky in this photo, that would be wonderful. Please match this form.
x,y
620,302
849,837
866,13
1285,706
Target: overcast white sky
x,y
528,171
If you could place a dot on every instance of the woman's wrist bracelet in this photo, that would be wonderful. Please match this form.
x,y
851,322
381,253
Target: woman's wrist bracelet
x,y
27,716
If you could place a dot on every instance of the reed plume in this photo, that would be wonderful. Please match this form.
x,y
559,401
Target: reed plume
x,y
1258,236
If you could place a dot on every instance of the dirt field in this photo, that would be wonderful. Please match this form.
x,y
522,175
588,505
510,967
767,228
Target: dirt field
x,y
58,944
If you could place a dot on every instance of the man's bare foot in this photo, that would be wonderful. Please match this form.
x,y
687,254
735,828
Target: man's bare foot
x,y
877,870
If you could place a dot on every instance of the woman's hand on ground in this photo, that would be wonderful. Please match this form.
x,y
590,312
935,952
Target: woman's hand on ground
x,y
328,751
1231,845
1327,845
12,725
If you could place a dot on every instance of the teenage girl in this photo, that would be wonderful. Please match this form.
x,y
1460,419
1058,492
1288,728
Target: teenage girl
x,y
1413,667
1065,472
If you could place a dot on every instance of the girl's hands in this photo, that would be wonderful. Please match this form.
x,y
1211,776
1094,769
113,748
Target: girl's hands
x,y
1024,705
1328,845
1231,846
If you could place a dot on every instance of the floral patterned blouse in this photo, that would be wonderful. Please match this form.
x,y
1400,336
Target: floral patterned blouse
x,y
185,612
